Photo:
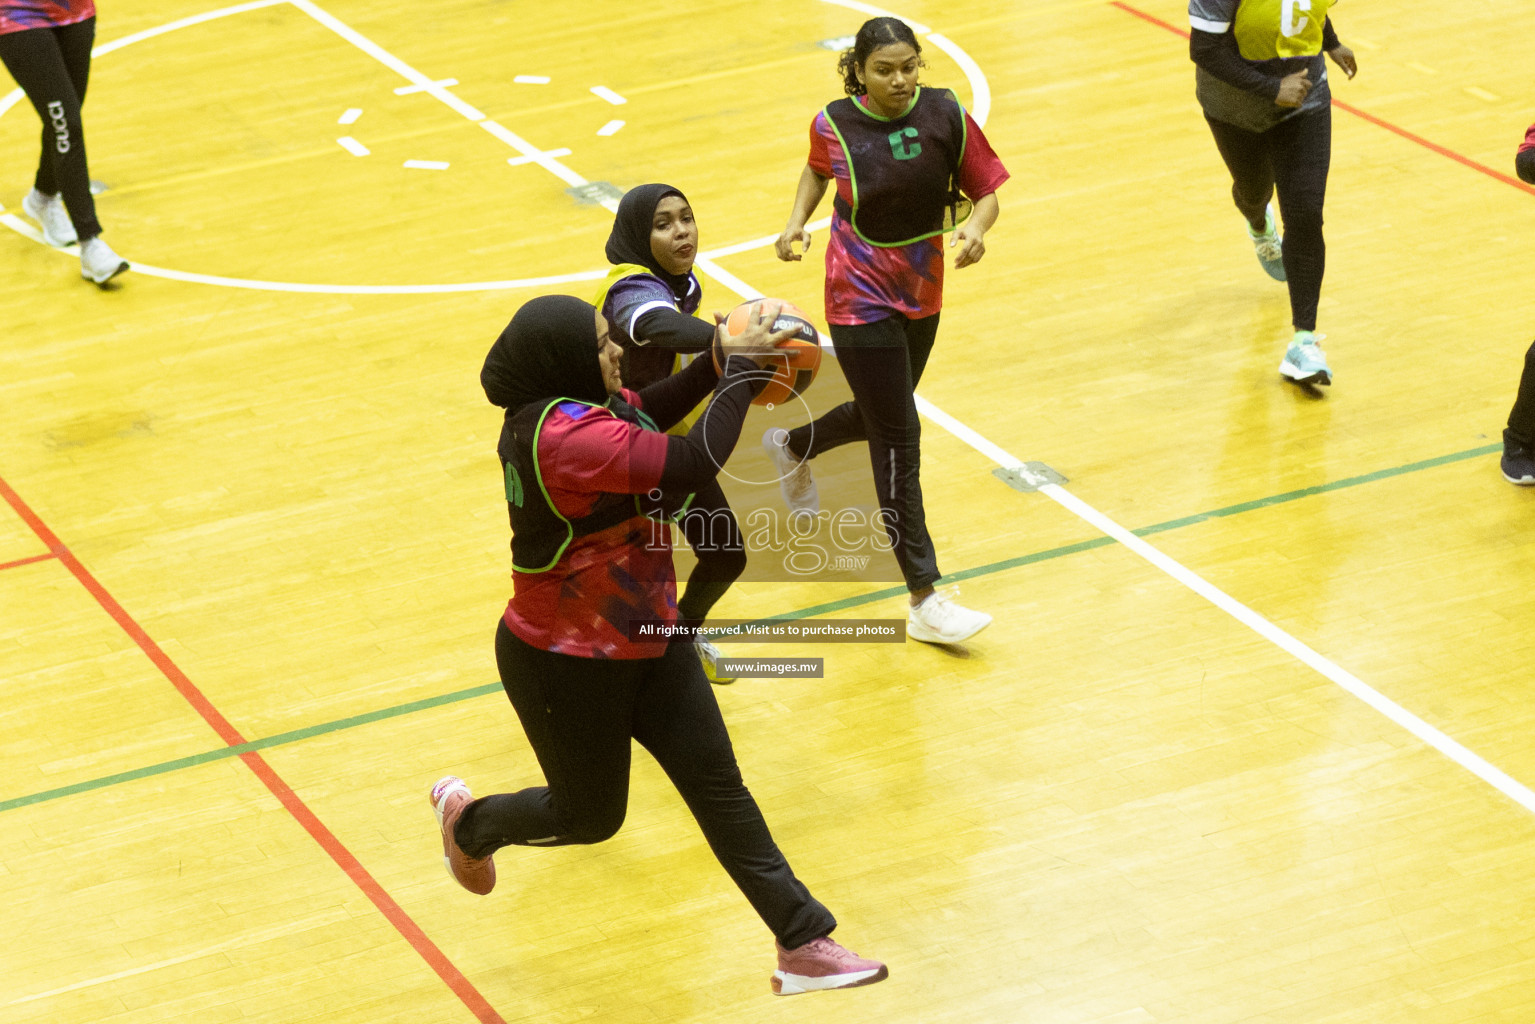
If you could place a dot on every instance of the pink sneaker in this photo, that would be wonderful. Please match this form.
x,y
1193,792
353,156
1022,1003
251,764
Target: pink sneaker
x,y
822,964
449,797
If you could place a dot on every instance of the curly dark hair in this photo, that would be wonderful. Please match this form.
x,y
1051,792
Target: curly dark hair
x,y
873,34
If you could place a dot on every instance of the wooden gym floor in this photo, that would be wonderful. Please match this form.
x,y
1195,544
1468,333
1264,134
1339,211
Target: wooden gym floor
x,y
1234,749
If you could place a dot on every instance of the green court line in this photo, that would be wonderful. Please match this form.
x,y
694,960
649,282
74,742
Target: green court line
x,y
813,611
1306,492
245,748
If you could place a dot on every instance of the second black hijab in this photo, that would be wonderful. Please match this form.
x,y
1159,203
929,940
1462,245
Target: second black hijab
x,y
629,241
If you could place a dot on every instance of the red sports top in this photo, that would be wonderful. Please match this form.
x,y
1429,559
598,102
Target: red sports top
x,y
867,283
582,606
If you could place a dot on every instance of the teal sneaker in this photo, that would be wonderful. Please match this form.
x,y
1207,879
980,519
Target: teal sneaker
x,y
1304,362
1269,246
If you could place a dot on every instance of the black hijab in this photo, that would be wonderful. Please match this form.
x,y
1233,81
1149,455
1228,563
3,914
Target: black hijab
x,y
629,241
548,351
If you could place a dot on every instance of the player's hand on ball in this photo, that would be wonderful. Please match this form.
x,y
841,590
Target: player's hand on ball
x,y
758,339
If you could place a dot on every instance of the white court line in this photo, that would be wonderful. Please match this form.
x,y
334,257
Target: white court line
x,y
243,942
611,128
531,80
981,105
350,117
444,83
21,227
386,58
878,12
534,154
171,26
352,146
765,240
426,165
518,161
15,97
352,289
609,95
1451,748
529,152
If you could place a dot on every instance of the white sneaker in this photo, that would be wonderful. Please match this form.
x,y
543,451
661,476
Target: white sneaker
x,y
98,262
49,211
938,620
794,478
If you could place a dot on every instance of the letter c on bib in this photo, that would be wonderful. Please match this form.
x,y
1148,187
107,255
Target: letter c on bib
x,y
1288,24
905,151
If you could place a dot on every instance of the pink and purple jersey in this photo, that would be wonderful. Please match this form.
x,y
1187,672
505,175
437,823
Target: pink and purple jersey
x,y
866,283
21,15
583,605
1529,140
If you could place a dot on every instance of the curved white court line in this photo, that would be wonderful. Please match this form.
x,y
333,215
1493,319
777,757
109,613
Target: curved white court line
x,y
21,227
979,87
12,98
878,12
530,153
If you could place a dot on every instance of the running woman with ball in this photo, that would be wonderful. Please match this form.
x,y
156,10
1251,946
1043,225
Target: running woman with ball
x,y
909,164
582,649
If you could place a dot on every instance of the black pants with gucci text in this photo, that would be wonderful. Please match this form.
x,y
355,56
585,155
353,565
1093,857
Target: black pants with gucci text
x,y
52,66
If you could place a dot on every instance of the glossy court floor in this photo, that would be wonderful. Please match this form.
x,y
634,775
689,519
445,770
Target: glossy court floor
x,y
1248,740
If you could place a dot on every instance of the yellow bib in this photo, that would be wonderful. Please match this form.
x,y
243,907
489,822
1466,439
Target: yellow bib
x,y
1266,29
617,274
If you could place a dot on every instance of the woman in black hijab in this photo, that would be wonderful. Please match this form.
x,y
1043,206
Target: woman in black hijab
x,y
649,298
582,648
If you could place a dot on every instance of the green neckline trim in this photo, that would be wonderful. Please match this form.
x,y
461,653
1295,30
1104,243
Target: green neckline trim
x,y
916,94
852,175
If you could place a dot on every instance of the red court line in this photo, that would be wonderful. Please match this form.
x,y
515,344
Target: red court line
x,y
1378,122
344,859
27,561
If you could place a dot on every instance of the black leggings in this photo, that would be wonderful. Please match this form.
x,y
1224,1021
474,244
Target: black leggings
x,y
1521,421
580,715
52,66
714,535
1293,156
883,363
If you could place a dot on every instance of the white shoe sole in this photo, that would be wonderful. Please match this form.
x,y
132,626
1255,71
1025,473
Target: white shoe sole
x,y
917,632
122,265
786,984
1292,372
